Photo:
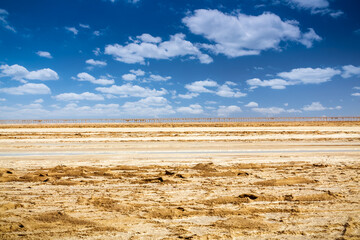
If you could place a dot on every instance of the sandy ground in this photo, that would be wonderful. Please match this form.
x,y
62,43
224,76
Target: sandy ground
x,y
229,181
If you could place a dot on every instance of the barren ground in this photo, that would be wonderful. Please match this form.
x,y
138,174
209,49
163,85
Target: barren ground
x,y
180,181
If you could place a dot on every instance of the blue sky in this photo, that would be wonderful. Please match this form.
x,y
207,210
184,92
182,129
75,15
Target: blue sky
x,y
146,59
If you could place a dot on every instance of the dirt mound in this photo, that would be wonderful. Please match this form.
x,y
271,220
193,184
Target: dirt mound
x,y
205,167
285,181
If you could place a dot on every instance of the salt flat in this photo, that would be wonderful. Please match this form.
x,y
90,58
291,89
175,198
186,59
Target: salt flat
x,y
297,181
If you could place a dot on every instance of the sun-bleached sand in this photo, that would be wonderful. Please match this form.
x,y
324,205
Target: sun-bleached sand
x,y
214,181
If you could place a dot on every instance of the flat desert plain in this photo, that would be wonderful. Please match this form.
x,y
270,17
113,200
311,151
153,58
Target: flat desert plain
x,y
275,180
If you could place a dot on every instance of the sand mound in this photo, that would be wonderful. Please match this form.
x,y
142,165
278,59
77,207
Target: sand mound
x,y
285,181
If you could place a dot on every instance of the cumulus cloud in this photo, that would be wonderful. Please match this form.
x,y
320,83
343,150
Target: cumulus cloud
x,y
20,73
350,70
138,72
225,91
77,97
96,62
129,90
224,111
317,106
201,86
356,94
241,34
145,37
87,77
28,88
44,54
192,109
211,86
4,22
295,77
314,106
133,75
72,30
139,50
151,106
273,83
129,77
188,95
252,104
310,75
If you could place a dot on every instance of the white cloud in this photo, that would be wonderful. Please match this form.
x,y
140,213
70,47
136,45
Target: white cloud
x,y
188,95
43,75
309,38
224,111
44,54
252,104
225,91
295,77
76,97
20,73
40,100
73,30
2,99
221,90
350,70
273,83
97,33
129,77
129,90
84,26
145,37
97,51
293,111
96,62
28,88
138,51
317,106
240,35
192,109
200,86
4,22
74,110
315,7
269,111
151,107
158,78
357,88
87,77
314,106
138,72
310,75
310,4
15,71
336,14
356,94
